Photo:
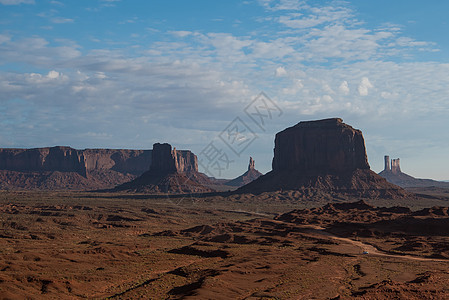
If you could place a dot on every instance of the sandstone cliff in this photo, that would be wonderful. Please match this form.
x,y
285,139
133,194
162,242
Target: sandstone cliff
x,y
320,147
66,159
324,155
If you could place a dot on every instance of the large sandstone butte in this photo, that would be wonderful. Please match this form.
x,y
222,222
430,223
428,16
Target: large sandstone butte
x,y
322,156
172,171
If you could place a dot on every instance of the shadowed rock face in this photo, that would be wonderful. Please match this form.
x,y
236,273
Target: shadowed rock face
x,y
163,159
166,160
322,156
66,159
172,171
320,147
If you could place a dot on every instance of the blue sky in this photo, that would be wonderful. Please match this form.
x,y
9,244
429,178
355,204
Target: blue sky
x,y
127,74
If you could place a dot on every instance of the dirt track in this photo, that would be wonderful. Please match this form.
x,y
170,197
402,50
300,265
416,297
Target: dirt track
x,y
370,248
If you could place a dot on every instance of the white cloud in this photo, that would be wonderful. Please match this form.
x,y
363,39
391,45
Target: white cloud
x,y
59,20
313,16
181,33
344,88
53,74
280,72
294,89
16,2
4,38
364,86
51,77
274,5
36,51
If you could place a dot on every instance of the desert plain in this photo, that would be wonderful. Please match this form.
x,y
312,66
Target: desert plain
x,y
74,245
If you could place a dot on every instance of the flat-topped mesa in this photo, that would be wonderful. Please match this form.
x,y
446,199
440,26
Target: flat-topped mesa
x,y
320,147
67,159
59,158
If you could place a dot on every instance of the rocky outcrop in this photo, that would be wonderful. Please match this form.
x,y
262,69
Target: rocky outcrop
x,y
252,164
394,175
250,175
324,155
172,171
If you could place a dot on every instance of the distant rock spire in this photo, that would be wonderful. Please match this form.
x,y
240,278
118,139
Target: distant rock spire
x,y
252,164
395,166
387,163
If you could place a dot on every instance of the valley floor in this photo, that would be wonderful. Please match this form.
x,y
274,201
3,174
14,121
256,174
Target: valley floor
x,y
118,246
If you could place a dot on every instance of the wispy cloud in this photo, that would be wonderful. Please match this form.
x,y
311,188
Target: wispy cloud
x,y
60,20
16,2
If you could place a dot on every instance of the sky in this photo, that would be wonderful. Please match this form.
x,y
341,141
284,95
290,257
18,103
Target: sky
x,y
221,78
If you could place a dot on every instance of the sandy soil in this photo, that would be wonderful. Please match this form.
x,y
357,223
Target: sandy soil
x,y
103,246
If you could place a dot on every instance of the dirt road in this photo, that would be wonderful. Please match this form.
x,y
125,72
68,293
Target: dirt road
x,y
370,249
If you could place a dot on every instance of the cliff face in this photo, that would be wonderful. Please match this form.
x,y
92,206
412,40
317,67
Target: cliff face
x,y
166,160
66,159
124,161
322,157
320,147
172,171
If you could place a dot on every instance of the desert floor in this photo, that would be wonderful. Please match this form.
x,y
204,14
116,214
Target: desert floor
x,y
60,245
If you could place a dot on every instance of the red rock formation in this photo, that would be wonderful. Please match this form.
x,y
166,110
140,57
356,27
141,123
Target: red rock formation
x,y
325,155
172,171
252,164
394,175
324,146
247,177
68,168
66,159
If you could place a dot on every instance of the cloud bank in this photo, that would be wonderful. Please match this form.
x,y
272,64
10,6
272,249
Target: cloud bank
x,y
185,85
